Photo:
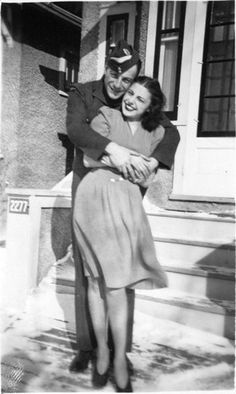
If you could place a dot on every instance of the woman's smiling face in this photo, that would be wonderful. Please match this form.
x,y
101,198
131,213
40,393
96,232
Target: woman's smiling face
x,y
136,101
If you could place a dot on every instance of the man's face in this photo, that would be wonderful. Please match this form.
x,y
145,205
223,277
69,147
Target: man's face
x,y
116,84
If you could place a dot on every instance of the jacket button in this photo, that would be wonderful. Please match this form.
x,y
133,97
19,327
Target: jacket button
x,y
87,120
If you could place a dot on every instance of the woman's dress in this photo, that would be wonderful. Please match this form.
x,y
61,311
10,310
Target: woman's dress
x,y
110,224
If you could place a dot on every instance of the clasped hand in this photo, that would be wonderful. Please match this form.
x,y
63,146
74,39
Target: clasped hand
x,y
143,169
134,166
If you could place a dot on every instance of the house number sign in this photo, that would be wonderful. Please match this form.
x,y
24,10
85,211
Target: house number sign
x,y
17,205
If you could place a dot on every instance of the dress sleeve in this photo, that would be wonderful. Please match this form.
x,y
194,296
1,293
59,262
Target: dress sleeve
x,y
102,122
165,150
157,137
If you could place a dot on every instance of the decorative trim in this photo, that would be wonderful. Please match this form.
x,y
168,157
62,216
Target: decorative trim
x,y
62,93
37,192
61,13
186,197
151,39
192,242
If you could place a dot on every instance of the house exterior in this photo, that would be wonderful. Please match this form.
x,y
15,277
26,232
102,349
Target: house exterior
x,y
189,47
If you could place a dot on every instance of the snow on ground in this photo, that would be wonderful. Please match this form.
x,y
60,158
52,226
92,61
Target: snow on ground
x,y
39,342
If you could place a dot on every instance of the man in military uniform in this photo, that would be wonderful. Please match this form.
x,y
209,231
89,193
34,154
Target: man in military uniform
x,y
123,65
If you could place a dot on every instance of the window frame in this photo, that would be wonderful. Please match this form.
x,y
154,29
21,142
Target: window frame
x,y
172,115
64,82
205,63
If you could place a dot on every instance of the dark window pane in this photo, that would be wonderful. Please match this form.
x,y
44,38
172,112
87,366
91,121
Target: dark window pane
x,y
218,114
220,79
222,11
168,52
117,28
168,15
168,67
171,13
177,14
221,43
117,31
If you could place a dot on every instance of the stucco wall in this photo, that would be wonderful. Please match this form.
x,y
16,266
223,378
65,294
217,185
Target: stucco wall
x,y
89,41
41,157
10,103
141,31
33,112
55,237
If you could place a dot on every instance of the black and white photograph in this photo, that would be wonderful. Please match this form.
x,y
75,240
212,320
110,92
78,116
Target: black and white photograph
x,y
117,196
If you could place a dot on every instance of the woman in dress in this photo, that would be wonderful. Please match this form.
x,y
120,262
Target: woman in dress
x,y
112,229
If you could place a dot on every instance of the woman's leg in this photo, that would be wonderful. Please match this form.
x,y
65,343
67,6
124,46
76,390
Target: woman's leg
x,y
98,314
118,319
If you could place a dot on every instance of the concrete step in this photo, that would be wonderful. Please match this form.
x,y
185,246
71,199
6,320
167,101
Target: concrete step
x,y
206,313
190,226
195,252
208,281
211,315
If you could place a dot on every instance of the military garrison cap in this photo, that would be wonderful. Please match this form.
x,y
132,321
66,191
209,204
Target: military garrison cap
x,y
123,57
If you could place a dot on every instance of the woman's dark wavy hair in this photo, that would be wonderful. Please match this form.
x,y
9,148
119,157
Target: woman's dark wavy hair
x,y
151,118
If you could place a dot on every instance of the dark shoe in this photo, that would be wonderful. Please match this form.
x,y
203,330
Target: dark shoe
x,y
100,380
129,363
80,361
127,389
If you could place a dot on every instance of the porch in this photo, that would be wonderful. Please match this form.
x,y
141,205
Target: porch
x,y
39,343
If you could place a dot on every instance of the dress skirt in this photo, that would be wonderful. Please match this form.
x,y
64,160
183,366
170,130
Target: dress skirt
x,y
113,232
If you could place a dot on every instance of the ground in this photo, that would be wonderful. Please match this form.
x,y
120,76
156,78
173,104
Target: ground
x,y
38,344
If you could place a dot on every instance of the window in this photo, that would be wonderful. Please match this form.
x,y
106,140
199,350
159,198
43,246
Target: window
x,y
69,70
168,51
217,97
117,29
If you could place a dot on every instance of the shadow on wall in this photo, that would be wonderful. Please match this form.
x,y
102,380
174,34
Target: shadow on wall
x,y
214,279
220,286
54,260
24,24
50,76
55,236
218,266
60,230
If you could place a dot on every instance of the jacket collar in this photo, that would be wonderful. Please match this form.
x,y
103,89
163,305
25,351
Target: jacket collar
x,y
98,90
